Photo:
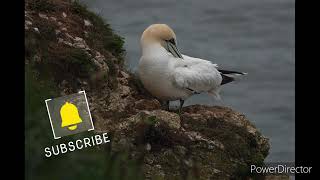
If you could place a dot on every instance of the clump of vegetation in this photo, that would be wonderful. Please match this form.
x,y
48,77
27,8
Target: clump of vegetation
x,y
122,167
101,31
41,5
47,64
55,61
74,61
61,61
149,131
151,120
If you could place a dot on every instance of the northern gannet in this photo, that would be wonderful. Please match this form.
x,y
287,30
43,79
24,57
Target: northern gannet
x,y
169,75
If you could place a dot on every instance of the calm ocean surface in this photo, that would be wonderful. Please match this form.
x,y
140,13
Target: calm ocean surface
x,y
257,37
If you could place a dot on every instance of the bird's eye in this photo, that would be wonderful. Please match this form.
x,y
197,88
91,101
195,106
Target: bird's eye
x,y
172,41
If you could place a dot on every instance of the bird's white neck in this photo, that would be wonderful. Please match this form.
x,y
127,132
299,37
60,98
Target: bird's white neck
x,y
153,49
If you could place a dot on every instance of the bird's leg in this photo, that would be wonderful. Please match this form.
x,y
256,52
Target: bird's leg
x,y
181,104
167,105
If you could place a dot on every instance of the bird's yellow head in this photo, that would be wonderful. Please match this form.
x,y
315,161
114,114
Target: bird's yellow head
x,y
163,35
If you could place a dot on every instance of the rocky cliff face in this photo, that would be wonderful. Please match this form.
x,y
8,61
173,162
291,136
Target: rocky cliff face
x,y
72,49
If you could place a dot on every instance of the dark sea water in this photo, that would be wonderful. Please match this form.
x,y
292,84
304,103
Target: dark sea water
x,y
257,37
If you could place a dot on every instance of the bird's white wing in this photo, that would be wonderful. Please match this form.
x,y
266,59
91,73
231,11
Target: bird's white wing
x,y
195,74
197,60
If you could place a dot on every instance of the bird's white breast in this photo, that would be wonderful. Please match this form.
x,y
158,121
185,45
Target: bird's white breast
x,y
155,74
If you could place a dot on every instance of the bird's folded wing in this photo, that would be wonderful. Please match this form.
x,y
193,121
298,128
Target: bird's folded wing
x,y
196,60
195,74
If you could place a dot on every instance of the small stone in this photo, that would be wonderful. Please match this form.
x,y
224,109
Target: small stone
x,y
149,161
148,147
88,54
64,14
37,58
69,36
68,43
57,31
99,57
37,30
125,91
78,39
88,50
98,54
124,74
60,23
64,29
216,170
79,45
86,34
43,16
53,18
87,23
251,129
64,83
60,40
28,22
188,163
210,147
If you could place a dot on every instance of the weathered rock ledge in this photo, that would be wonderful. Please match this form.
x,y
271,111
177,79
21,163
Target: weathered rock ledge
x,y
203,142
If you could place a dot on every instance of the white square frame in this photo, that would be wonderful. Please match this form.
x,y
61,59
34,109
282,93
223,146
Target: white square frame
x,y
80,92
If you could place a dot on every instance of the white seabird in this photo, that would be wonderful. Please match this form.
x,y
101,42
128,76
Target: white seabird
x,y
169,75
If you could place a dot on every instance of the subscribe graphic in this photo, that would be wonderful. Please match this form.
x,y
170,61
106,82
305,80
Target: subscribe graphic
x,y
69,114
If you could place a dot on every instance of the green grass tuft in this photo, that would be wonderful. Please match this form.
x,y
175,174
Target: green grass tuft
x,y
40,5
102,36
151,120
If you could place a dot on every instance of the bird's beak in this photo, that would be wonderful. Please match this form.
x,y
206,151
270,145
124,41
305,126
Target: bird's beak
x,y
172,48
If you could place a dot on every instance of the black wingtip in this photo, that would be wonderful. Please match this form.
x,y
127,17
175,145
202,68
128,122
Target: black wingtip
x,y
226,79
229,76
231,72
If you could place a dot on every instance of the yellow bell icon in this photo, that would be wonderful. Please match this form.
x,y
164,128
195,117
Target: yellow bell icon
x,y
70,116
